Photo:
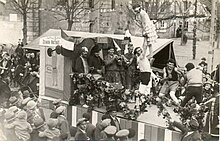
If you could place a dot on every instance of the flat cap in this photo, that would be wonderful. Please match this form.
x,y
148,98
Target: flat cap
x,y
31,104
60,109
80,121
110,130
122,133
105,122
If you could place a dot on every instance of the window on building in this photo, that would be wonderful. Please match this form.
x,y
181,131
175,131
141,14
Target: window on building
x,y
113,4
91,3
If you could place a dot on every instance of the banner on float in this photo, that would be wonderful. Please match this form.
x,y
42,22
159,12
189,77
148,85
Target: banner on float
x,y
50,41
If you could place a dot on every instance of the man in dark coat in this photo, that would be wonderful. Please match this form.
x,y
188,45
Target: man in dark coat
x,y
90,128
81,65
81,133
131,67
96,63
112,115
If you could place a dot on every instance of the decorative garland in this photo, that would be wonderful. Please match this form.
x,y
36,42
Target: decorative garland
x,y
98,93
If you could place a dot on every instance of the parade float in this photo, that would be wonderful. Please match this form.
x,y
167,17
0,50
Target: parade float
x,y
57,80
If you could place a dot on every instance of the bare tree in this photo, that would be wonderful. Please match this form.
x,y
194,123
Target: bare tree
x,y
73,10
23,7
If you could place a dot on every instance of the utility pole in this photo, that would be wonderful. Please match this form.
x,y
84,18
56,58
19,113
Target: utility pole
x,y
184,21
194,31
213,31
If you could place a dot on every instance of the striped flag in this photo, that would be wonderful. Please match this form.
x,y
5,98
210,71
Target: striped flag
x,y
67,42
116,45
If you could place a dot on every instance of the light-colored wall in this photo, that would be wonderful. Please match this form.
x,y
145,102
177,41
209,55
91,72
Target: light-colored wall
x,y
10,31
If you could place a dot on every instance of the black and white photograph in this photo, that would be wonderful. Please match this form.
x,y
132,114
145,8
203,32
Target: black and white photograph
x,y
109,70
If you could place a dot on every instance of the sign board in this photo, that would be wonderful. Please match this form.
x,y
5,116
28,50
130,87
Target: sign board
x,y
50,41
103,40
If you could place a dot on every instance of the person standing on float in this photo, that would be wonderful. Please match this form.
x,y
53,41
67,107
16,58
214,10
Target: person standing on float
x,y
148,30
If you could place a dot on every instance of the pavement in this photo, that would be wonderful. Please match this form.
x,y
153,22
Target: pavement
x,y
184,53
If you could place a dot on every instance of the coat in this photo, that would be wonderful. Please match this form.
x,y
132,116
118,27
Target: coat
x,y
35,136
99,133
115,123
50,134
9,133
81,136
192,136
22,129
90,130
79,66
63,126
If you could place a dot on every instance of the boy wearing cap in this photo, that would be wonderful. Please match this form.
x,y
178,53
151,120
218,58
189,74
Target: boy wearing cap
x,y
8,131
51,133
81,133
63,124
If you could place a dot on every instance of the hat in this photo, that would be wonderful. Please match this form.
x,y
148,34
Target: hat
x,y
110,130
111,109
22,115
80,121
38,123
56,101
13,100
136,5
105,116
31,105
87,116
96,49
60,109
203,58
122,133
26,100
132,133
105,122
194,124
9,116
26,93
52,122
85,49
13,109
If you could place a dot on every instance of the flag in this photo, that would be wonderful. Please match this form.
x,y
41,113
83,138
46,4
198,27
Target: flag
x,y
116,45
67,42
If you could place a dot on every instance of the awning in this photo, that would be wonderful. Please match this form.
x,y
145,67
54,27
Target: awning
x,y
137,41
